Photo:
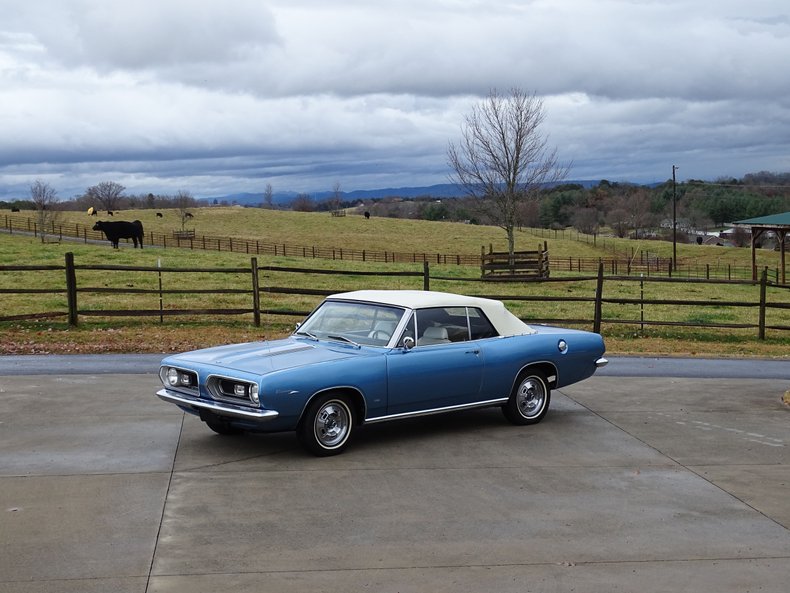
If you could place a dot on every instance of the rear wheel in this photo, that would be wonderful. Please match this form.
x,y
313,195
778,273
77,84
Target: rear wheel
x,y
327,425
530,399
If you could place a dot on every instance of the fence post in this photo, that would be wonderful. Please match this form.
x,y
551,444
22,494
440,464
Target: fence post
x,y
642,303
71,289
161,294
598,296
761,322
256,293
426,275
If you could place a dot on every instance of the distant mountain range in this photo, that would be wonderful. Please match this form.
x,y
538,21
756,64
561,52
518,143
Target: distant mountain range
x,y
442,190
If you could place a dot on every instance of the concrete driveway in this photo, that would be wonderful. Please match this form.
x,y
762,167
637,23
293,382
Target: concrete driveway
x,y
629,484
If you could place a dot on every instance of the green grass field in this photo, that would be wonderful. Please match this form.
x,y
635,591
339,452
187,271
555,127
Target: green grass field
x,y
354,232
388,234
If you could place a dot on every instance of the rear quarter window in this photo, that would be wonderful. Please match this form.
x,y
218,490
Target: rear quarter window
x,y
479,325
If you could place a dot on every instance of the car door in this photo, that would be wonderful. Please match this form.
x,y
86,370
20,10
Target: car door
x,y
437,372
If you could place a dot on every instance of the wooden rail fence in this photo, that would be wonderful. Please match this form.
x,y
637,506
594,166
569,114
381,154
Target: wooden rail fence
x,y
636,264
521,265
73,287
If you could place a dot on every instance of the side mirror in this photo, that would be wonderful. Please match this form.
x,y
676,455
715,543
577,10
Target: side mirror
x,y
298,325
408,342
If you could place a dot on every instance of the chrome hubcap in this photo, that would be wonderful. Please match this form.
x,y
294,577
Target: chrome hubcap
x,y
531,398
332,424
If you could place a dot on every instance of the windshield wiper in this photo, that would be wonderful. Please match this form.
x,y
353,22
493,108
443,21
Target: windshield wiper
x,y
308,334
344,339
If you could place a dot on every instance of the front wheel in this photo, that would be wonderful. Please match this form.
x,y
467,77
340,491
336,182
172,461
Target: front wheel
x,y
530,399
326,427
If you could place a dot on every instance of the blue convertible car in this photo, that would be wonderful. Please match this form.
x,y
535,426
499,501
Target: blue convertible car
x,y
370,356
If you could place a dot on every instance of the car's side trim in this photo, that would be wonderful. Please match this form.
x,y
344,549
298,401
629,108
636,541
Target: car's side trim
x,y
221,408
482,404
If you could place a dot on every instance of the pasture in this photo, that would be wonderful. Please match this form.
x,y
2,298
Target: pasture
x,y
354,232
104,334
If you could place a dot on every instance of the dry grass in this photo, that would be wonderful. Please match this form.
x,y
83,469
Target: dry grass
x,y
319,229
182,335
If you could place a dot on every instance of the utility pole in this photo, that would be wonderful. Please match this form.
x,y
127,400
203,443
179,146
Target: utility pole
x,y
674,222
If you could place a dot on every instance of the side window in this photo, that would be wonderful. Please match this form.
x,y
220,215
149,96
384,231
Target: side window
x,y
442,325
479,325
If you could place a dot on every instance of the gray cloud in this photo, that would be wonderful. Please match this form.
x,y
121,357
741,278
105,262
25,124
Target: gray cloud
x,y
213,97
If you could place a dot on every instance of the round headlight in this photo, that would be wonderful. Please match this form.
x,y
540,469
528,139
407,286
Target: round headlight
x,y
172,377
254,394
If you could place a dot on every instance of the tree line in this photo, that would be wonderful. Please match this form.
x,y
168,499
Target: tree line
x,y
107,196
623,209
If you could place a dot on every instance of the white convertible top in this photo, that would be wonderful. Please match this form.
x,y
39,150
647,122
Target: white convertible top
x,y
503,320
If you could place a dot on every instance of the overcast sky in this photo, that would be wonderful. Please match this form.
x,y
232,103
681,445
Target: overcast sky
x,y
223,97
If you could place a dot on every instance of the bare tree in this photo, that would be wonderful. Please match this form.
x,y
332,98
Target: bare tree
x,y
585,220
638,208
107,193
45,199
184,201
619,219
337,197
502,157
302,203
268,196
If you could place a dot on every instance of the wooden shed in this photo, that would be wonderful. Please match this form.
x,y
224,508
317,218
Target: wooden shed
x,y
779,224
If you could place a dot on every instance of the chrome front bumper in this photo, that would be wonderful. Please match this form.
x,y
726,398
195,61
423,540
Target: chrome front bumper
x,y
601,362
220,408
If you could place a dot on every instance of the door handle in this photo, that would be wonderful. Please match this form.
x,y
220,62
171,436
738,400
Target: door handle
x,y
472,352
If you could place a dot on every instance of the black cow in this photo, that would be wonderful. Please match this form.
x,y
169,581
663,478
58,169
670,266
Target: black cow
x,y
159,215
367,215
114,231
14,209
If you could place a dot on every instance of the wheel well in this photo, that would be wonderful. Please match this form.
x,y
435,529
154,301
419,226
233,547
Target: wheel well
x,y
357,401
546,368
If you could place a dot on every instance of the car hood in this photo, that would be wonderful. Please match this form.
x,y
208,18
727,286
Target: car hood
x,y
265,357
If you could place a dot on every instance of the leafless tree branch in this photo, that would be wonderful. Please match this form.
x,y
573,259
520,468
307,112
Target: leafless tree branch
x,y
502,158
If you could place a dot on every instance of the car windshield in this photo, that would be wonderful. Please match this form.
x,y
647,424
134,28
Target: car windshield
x,y
359,323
